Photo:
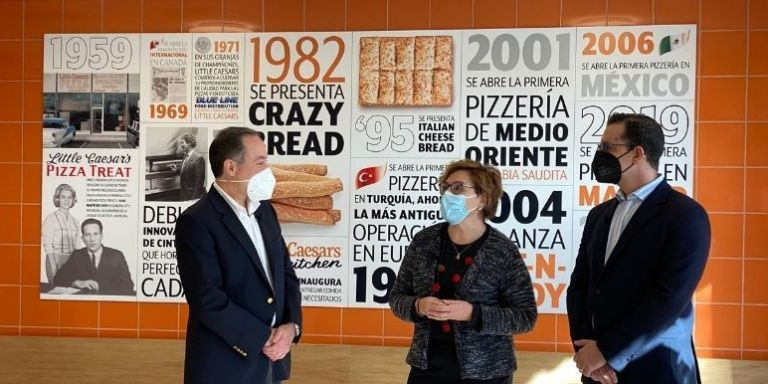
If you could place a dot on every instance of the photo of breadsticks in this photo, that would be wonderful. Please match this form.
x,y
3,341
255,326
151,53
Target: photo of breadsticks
x,y
288,214
314,169
406,71
303,194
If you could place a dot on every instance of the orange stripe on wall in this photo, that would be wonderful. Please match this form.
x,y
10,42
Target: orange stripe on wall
x,y
731,174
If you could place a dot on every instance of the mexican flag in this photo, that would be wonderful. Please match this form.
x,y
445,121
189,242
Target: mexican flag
x,y
673,42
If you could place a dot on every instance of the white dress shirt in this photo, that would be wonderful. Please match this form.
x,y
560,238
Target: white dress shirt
x,y
251,226
627,207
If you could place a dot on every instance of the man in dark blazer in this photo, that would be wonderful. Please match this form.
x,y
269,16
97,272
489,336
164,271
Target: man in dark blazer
x,y
95,269
641,257
192,176
244,298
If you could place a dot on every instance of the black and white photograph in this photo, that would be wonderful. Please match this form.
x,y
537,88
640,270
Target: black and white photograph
x,y
96,268
169,85
85,251
90,110
175,163
61,233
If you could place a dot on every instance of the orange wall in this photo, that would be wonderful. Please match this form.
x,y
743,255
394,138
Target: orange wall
x,y
731,141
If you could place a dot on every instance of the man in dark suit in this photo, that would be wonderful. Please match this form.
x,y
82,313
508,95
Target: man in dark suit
x,y
244,298
192,177
641,257
96,269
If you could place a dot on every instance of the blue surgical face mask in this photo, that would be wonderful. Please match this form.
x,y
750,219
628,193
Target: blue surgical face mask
x,y
454,207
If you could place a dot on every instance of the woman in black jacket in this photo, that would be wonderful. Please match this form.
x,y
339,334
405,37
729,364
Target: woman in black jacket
x,y
465,286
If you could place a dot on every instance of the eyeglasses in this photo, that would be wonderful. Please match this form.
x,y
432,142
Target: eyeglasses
x,y
456,188
603,146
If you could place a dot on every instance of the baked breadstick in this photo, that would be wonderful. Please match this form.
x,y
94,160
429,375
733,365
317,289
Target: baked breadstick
x,y
336,214
315,169
442,88
287,213
285,189
286,175
386,87
387,53
404,88
369,53
404,51
444,53
368,88
322,203
422,88
424,53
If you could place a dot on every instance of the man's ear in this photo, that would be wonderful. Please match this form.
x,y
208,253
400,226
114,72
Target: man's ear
x,y
638,153
230,167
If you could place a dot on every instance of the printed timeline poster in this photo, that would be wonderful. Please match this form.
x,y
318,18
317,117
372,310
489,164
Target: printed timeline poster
x,y
517,111
217,77
393,199
90,167
406,100
298,90
358,128
517,114
167,83
175,174
538,218
89,241
648,70
405,113
173,161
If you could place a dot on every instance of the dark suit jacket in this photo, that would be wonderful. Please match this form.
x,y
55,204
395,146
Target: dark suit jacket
x,y
113,275
638,305
192,177
231,302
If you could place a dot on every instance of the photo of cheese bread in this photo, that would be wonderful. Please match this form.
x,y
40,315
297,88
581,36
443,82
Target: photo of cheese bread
x,y
406,71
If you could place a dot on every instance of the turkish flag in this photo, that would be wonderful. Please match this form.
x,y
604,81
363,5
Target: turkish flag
x,y
370,175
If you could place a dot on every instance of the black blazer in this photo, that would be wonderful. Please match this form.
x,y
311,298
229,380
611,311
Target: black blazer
x,y
231,302
192,177
638,305
113,275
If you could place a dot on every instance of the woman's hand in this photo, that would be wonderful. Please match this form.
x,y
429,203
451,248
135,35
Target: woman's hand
x,y
458,310
431,307
442,310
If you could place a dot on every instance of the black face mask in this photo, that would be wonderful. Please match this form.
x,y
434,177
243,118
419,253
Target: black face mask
x,y
607,168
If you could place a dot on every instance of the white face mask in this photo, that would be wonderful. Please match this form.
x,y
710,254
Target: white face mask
x,y
260,186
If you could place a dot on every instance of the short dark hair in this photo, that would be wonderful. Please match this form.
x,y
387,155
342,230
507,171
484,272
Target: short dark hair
x,y
228,144
190,139
91,221
641,130
486,178
61,188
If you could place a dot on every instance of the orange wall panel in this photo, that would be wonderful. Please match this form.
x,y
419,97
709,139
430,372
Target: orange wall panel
x,y
730,169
